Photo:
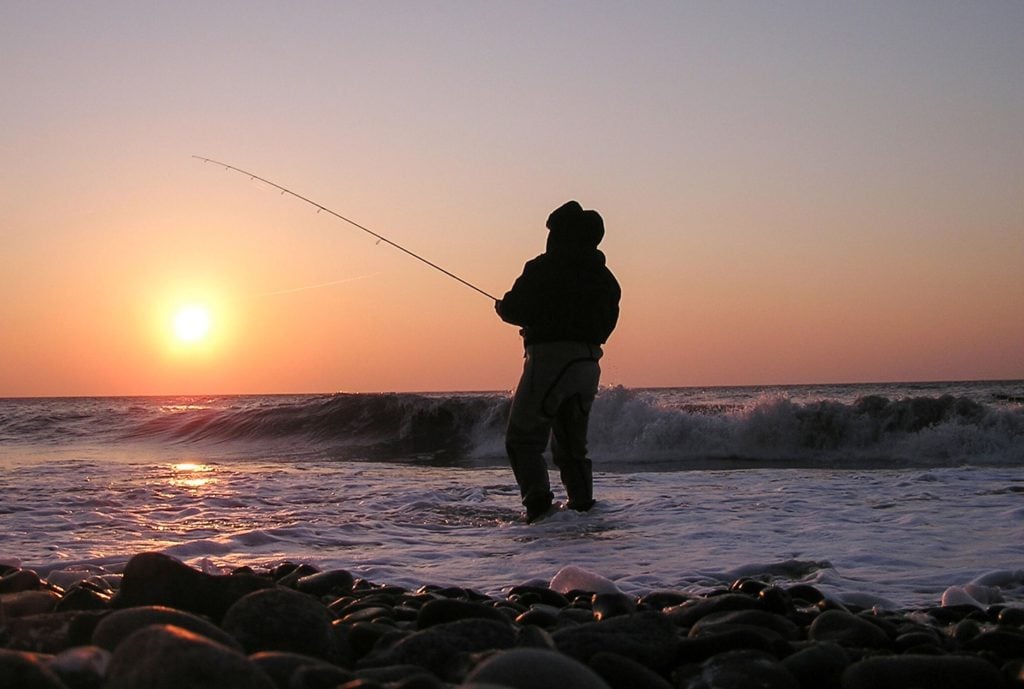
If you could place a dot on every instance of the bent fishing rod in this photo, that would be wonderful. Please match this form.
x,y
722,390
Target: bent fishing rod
x,y
367,230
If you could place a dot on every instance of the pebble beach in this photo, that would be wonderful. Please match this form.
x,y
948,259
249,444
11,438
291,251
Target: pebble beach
x,y
161,623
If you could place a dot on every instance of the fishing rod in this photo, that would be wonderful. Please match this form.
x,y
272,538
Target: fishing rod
x,y
320,207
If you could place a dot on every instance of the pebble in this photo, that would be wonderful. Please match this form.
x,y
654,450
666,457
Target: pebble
x,y
448,610
280,619
168,657
308,629
157,579
846,629
120,624
742,670
910,671
535,669
21,670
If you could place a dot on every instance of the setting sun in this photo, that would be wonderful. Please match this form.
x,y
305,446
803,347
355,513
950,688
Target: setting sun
x,y
192,323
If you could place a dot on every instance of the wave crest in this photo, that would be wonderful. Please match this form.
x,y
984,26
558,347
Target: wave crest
x,y
628,427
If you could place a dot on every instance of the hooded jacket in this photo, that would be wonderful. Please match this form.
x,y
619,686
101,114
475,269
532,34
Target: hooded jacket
x,y
567,293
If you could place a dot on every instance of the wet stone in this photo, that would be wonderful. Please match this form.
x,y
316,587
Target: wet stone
x,y
280,666
167,657
332,582
659,600
696,650
818,665
80,597
281,619
20,580
649,638
120,624
688,613
156,579
26,603
46,633
607,605
742,670
756,619
539,616
1011,617
444,647
1004,643
535,669
847,629
528,595
82,667
449,610
21,670
619,671
910,671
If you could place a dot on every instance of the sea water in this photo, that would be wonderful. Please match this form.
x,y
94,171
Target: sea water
x,y
889,495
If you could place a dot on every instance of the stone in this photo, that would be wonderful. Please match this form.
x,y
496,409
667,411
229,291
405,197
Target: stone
x,y
120,624
448,610
81,667
607,605
168,657
281,666
1007,644
535,669
528,595
21,670
20,580
157,579
334,582
83,598
444,648
46,633
846,629
910,671
25,603
622,673
687,614
756,619
699,649
818,665
647,637
281,619
743,670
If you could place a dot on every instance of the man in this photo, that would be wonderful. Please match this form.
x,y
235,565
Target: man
x,y
567,303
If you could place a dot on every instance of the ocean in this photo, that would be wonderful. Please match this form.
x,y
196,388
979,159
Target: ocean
x,y
890,495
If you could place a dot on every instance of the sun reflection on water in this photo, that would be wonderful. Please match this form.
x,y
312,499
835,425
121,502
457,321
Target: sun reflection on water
x,y
191,475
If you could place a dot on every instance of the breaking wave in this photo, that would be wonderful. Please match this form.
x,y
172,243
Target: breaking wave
x,y
627,427
630,429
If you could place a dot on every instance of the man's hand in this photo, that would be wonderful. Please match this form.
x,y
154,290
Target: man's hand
x,y
497,307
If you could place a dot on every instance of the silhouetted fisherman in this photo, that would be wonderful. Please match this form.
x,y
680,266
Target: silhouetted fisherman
x,y
567,303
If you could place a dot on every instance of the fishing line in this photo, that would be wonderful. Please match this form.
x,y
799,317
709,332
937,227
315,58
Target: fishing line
x,y
380,238
318,285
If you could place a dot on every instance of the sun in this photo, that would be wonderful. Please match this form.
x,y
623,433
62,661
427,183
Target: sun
x,y
192,323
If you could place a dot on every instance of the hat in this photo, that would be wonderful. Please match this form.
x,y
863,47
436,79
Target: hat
x,y
590,227
564,216
570,225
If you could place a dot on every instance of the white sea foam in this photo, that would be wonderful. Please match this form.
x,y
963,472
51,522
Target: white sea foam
x,y
889,538
889,496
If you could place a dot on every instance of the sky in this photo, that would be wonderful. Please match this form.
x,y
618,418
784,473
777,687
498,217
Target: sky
x,y
793,192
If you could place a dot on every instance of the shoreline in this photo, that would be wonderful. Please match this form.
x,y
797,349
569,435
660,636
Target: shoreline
x,y
282,627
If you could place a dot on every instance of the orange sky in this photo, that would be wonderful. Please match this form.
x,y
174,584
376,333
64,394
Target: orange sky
x,y
792,193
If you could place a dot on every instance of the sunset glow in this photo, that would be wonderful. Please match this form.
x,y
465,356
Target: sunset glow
x,y
793,192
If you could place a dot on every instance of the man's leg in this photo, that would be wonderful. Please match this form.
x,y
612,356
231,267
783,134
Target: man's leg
x,y
525,442
578,388
569,450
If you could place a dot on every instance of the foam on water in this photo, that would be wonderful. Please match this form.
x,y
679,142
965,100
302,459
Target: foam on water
x,y
892,538
892,496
